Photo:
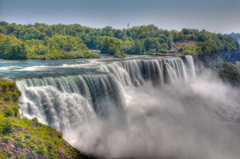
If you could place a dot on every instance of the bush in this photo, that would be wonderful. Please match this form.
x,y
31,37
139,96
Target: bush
x,y
20,139
6,138
21,156
11,111
119,54
6,126
35,119
27,141
2,155
188,52
15,110
180,50
42,150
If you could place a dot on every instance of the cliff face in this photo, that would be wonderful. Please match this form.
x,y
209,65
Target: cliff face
x,y
231,56
212,60
223,64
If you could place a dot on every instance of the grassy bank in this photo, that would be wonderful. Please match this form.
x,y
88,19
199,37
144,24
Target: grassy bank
x,y
23,138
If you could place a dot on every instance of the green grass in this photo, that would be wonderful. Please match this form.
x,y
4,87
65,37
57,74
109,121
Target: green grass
x,y
41,141
186,48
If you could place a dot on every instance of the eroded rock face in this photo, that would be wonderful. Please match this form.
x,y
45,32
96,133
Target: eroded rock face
x,y
210,60
230,56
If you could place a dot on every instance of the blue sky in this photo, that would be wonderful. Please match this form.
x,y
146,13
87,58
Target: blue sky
x,y
213,15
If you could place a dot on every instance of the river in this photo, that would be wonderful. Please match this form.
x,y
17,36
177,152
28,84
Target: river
x,y
138,107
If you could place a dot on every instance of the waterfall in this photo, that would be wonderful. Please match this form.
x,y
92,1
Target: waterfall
x,y
139,108
136,72
65,102
191,66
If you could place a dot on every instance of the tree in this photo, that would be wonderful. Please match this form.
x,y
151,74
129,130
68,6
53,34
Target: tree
x,y
119,54
109,45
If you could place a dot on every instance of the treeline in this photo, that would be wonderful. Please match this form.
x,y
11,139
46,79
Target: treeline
x,y
43,41
56,47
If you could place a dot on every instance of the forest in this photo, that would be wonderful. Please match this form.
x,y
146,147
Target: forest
x,y
42,41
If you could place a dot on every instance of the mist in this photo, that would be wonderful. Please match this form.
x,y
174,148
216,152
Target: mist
x,y
140,108
183,120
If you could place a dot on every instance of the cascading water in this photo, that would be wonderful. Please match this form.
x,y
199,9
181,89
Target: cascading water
x,y
62,102
68,101
124,109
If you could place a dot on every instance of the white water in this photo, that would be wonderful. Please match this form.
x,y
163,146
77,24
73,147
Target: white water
x,y
140,109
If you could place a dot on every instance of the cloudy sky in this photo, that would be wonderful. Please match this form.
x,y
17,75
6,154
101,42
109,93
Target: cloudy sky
x,y
213,15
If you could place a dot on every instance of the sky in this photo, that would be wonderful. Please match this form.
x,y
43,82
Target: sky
x,y
220,16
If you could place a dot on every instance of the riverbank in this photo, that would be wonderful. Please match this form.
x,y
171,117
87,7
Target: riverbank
x,y
24,138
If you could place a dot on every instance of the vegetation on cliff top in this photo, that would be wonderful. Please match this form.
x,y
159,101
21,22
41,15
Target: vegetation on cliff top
x,y
24,138
72,41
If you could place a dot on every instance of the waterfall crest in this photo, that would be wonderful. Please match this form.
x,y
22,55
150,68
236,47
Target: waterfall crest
x,y
64,102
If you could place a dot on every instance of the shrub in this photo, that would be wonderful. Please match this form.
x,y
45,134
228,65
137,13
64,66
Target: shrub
x,y
188,52
28,141
6,138
119,54
35,119
2,155
163,51
6,126
21,156
9,111
15,110
42,150
20,138
180,50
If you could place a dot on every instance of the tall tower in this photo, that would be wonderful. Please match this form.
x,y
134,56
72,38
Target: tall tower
x,y
127,25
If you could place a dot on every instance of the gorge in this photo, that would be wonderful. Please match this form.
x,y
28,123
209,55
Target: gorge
x,y
140,107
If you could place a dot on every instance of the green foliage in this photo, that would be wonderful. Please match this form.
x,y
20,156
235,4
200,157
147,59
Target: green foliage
x,y
35,119
8,111
109,45
187,52
12,48
42,141
6,138
11,111
56,47
20,138
119,54
2,155
21,156
9,91
162,51
6,126
42,150
41,41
